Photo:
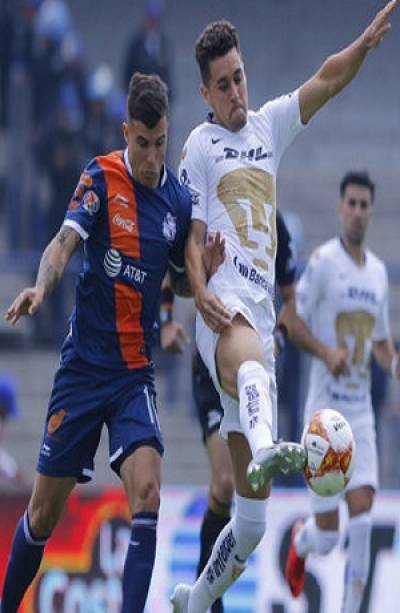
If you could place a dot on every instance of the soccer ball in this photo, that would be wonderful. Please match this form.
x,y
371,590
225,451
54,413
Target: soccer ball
x,y
330,449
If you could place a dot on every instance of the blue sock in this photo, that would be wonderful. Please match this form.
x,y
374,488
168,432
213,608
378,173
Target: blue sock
x,y
139,562
23,564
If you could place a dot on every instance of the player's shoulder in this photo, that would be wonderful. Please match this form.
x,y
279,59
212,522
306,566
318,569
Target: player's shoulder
x,y
201,137
375,262
111,162
273,105
181,194
326,252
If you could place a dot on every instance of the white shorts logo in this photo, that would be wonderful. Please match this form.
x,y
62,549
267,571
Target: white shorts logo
x,y
112,263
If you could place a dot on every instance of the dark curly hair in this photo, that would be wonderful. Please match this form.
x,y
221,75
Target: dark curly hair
x,y
216,40
147,99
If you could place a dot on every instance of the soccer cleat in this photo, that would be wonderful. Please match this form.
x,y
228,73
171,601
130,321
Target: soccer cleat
x,y
295,565
180,598
268,462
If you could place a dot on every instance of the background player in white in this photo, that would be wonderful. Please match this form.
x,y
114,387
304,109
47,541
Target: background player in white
x,y
343,295
230,164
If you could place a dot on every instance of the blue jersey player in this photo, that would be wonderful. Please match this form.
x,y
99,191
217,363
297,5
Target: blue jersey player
x,y
133,217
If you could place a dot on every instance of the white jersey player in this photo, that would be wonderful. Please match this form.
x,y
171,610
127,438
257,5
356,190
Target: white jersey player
x,y
343,295
230,164
232,177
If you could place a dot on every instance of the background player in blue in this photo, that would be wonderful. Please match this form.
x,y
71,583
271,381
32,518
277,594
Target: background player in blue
x,y
133,216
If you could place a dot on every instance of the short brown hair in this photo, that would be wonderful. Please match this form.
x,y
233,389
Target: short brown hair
x,y
216,40
147,99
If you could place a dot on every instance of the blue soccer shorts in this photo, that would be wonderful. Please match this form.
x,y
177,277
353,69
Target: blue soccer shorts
x,y
83,399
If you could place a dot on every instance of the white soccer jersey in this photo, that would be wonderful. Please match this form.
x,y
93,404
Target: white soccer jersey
x,y
232,177
346,305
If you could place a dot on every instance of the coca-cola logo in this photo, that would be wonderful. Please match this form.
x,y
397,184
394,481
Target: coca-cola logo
x,y
124,223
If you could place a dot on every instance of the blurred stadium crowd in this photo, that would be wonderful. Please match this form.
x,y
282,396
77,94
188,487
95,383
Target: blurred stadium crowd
x,y
66,114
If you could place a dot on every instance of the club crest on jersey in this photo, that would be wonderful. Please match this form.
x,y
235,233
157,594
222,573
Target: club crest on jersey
x,y
112,263
169,227
91,202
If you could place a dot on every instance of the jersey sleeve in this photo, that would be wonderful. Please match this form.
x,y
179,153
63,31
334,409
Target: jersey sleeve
x,y
283,116
192,174
382,325
285,263
310,287
176,257
87,201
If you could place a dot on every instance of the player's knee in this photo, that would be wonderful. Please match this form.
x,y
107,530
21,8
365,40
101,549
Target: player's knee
x,y
361,505
326,540
147,497
222,488
43,519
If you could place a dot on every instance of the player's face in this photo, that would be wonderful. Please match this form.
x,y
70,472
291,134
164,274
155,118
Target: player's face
x,y
226,91
355,212
146,150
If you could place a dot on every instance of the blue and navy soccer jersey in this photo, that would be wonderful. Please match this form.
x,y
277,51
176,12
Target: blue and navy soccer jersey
x,y
130,232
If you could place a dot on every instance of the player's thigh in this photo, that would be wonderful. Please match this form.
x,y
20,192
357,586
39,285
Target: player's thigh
x,y
360,500
241,456
141,475
132,421
47,502
328,520
74,420
222,483
236,345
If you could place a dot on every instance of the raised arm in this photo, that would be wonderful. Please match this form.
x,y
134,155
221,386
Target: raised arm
x,y
341,68
51,268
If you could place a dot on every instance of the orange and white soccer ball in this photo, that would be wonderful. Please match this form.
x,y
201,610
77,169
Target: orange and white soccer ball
x,y
330,449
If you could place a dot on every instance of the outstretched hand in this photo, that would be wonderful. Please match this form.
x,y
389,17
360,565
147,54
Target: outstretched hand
x,y
375,32
214,253
26,303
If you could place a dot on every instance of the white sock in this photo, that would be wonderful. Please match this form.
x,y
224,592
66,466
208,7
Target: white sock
x,y
311,539
358,561
255,405
228,558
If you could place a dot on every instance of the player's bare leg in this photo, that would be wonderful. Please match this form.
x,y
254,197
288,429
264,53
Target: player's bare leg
x,y
141,476
242,375
45,507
